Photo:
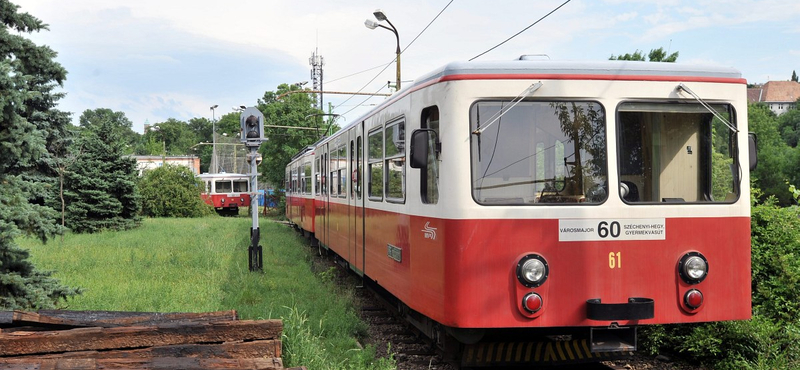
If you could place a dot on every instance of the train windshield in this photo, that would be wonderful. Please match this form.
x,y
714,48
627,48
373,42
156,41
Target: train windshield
x,y
676,153
538,152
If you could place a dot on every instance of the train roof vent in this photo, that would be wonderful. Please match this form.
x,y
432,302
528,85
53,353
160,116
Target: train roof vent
x,y
533,57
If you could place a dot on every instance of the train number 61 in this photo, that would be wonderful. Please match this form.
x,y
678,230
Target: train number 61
x,y
604,229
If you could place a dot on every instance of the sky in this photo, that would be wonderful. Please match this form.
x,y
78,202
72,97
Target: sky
x,y
161,59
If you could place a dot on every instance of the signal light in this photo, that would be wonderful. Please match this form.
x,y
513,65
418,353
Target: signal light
x,y
532,302
693,299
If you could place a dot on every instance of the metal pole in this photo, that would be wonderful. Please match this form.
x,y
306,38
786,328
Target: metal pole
x,y
254,251
214,159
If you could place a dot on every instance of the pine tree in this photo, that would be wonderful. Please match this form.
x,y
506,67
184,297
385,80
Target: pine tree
x,y
29,126
794,76
100,185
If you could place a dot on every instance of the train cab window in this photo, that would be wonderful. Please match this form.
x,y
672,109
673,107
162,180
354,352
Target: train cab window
x,y
676,153
429,177
223,186
538,153
241,185
395,161
375,165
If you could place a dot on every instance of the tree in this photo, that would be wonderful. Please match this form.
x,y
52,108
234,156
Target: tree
x,y
656,55
172,191
173,135
29,126
121,124
291,110
775,158
100,186
794,76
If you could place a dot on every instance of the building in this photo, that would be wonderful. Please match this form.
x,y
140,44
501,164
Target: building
x,y
147,162
779,96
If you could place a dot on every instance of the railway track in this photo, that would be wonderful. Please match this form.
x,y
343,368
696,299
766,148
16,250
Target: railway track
x,y
392,336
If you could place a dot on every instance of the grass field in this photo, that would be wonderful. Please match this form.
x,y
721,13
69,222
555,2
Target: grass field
x,y
201,264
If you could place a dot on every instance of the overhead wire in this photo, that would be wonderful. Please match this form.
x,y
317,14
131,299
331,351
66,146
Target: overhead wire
x,y
393,61
518,33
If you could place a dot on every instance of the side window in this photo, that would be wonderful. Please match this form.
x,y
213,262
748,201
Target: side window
x,y
316,175
429,178
395,160
307,170
286,180
333,176
353,169
375,165
359,156
343,171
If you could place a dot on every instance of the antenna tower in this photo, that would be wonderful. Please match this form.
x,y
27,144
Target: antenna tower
x,y
316,61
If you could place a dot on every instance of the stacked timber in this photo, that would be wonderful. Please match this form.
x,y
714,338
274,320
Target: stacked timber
x,y
137,340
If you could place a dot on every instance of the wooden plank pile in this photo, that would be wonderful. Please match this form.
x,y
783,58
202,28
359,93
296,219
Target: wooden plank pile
x,y
137,340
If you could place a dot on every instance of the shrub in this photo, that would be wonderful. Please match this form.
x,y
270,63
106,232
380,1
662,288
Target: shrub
x,y
172,191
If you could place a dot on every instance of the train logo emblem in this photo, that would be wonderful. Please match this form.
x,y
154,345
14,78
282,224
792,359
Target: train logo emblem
x,y
429,232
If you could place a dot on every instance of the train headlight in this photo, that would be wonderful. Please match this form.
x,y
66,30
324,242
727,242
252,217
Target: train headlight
x,y
532,270
693,268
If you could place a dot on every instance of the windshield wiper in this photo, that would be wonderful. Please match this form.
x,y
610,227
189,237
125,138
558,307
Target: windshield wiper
x,y
525,93
682,87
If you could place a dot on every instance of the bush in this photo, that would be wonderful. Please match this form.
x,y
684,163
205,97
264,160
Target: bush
x,y
172,191
771,339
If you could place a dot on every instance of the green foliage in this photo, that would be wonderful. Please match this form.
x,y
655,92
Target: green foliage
x,y
172,191
777,162
789,126
655,55
100,186
91,119
771,339
200,264
30,131
794,76
290,110
176,136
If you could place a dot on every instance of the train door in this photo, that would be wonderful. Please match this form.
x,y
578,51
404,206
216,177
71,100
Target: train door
x,y
322,234
356,198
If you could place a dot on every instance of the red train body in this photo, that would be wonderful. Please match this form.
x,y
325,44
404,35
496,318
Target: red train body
x,y
226,192
543,197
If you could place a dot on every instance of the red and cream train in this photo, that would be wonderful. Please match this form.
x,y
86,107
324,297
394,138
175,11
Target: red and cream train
x,y
226,192
507,202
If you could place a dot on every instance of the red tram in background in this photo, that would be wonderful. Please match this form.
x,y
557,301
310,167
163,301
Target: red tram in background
x,y
504,204
226,192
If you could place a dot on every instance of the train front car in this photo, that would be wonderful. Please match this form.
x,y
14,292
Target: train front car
x,y
580,200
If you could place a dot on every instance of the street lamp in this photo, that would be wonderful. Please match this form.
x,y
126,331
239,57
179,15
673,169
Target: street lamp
x,y
372,25
214,138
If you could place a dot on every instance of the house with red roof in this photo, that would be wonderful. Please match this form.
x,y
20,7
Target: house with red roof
x,y
780,96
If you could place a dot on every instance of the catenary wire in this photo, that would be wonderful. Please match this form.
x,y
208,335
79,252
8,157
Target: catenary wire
x,y
518,33
393,60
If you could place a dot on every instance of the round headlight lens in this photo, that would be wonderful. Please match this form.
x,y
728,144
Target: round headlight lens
x,y
532,270
693,268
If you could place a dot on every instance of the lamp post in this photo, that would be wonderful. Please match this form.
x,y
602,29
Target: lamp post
x,y
372,25
214,139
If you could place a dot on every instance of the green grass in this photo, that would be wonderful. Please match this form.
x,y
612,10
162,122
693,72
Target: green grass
x,y
201,264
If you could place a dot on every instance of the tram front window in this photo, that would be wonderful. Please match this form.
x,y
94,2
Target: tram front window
x,y
538,153
676,153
